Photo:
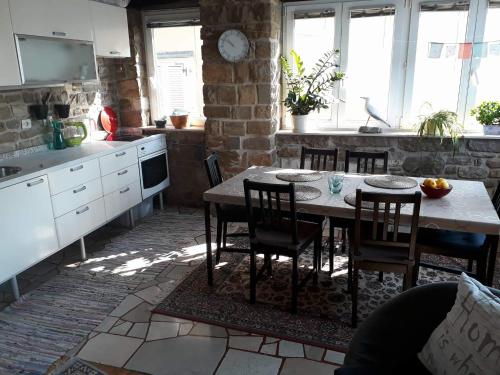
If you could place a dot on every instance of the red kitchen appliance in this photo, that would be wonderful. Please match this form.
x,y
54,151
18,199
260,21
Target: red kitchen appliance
x,y
108,121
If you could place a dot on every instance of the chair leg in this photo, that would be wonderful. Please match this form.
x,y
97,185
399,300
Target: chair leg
x,y
470,265
269,264
224,235
295,284
408,279
218,240
344,239
331,250
354,295
481,270
253,277
317,258
349,273
381,277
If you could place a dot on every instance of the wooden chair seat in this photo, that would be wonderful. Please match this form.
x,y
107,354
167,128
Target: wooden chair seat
x,y
279,235
382,254
234,214
445,242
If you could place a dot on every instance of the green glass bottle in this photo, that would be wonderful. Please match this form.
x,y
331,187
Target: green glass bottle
x,y
58,141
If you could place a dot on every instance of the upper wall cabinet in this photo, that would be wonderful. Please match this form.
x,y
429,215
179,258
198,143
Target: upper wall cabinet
x,y
110,30
9,73
68,19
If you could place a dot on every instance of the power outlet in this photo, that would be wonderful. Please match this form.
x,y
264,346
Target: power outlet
x,y
26,124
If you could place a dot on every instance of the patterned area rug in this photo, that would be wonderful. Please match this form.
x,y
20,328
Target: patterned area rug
x,y
324,310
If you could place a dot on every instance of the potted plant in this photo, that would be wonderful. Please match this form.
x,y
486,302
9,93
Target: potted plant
x,y
312,91
488,115
441,123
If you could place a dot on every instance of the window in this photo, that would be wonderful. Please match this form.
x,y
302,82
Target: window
x,y
174,64
408,56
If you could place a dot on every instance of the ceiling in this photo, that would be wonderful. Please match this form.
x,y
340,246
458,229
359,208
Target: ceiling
x,y
144,4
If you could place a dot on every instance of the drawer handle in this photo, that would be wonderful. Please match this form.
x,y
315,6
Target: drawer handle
x,y
85,209
79,190
114,52
123,172
74,169
120,154
58,33
31,184
124,190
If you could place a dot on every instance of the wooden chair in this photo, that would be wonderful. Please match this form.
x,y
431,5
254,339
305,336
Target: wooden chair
x,y
321,159
374,247
226,213
473,247
278,231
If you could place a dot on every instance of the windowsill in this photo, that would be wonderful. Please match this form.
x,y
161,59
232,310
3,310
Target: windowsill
x,y
390,133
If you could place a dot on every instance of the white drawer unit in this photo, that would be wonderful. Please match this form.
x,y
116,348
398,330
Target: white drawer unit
x,y
74,175
118,160
77,223
121,178
77,196
122,199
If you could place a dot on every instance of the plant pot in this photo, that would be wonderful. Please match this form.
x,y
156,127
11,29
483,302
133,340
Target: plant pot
x,y
491,129
39,111
299,123
179,122
160,124
62,110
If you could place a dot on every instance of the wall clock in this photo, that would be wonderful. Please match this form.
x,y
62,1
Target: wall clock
x,y
233,45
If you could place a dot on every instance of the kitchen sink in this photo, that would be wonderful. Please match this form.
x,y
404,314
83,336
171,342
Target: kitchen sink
x,y
8,171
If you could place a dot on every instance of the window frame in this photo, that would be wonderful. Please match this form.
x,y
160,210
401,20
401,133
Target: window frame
x,y
170,15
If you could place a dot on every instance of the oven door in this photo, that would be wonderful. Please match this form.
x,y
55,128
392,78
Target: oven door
x,y
154,173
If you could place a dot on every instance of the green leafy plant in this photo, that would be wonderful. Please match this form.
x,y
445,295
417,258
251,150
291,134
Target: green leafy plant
x,y
312,91
487,113
441,123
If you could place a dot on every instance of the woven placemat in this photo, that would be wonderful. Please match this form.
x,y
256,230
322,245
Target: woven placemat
x,y
350,199
303,193
299,176
391,182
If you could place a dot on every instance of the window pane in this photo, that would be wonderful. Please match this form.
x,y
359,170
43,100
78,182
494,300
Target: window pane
x,y
313,36
177,56
436,82
368,64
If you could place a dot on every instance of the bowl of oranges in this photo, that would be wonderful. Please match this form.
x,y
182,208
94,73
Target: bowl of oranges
x,y
435,188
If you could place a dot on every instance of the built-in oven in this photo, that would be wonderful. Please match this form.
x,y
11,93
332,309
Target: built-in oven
x,y
153,167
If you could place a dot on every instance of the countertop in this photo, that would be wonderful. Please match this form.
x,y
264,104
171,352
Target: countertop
x,y
41,163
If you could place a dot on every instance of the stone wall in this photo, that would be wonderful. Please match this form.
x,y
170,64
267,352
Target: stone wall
x,y
241,99
475,158
186,151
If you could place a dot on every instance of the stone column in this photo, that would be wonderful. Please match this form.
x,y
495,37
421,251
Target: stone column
x,y
242,99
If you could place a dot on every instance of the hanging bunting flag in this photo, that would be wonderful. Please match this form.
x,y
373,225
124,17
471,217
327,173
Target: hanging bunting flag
x,y
435,50
494,49
465,50
480,49
450,50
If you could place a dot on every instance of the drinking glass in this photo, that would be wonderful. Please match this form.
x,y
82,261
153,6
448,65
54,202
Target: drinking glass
x,y
335,183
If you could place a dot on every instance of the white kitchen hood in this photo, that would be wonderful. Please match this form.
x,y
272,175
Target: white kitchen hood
x,y
53,60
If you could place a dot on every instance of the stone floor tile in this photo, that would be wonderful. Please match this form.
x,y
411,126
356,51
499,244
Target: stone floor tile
x,y
126,305
200,355
300,366
291,349
235,332
269,348
245,363
314,352
140,314
185,328
179,272
109,349
121,329
152,295
270,340
139,330
202,329
162,330
106,324
251,343
334,357
167,318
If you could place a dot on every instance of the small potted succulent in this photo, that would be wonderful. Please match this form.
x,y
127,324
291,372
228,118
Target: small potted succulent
x,y
312,91
488,115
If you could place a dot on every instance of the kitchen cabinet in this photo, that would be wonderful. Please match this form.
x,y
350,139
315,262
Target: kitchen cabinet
x,y
68,19
27,228
122,200
75,174
9,73
110,30
118,160
77,196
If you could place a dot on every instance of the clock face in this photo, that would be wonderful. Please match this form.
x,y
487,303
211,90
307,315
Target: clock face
x,y
233,45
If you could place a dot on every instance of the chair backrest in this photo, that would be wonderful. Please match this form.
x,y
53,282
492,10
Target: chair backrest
x,y
496,199
265,200
385,233
213,170
366,161
319,158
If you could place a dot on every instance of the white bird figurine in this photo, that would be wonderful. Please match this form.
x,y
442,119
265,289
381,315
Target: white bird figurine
x,y
372,112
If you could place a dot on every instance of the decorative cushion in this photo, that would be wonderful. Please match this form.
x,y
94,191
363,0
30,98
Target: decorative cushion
x,y
468,340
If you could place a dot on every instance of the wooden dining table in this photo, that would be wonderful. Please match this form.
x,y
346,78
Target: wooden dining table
x,y
467,208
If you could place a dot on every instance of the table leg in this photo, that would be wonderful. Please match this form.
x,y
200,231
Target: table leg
x,y
492,260
208,239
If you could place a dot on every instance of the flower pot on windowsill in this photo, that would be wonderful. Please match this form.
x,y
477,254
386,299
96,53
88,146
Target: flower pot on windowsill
x,y
299,123
491,129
